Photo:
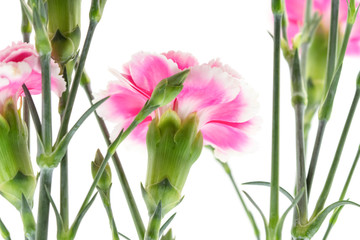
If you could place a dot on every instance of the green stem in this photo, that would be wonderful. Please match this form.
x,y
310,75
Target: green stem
x,y
144,112
26,31
326,107
315,155
332,47
45,173
140,228
105,197
274,185
227,169
64,192
43,209
300,165
64,177
76,82
326,189
342,196
46,103
305,45
344,45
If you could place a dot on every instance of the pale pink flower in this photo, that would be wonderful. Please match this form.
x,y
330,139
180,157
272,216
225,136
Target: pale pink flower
x,y
225,104
19,64
295,10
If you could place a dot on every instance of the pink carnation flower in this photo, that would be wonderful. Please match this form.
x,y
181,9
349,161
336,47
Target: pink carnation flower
x,y
295,10
19,64
224,103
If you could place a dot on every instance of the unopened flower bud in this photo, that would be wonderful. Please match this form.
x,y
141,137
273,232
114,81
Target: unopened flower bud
x,y
64,28
315,73
97,9
105,179
173,146
16,173
167,89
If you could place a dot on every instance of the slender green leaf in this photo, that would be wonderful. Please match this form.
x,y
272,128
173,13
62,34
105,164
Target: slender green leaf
x,y
61,148
166,224
59,221
33,111
261,213
152,232
4,232
28,219
280,223
267,184
124,236
79,217
313,226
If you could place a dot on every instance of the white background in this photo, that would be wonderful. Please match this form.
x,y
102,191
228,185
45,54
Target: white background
x,y
237,33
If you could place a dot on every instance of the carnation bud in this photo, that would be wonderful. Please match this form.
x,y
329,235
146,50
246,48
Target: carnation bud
x,y
167,89
64,28
315,73
105,179
16,172
97,9
173,146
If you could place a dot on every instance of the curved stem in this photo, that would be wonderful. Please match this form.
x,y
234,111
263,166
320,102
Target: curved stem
x,y
332,48
105,197
248,213
326,189
342,196
315,155
140,228
76,82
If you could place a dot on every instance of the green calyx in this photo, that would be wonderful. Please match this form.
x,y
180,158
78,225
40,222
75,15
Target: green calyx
x,y
173,146
16,173
105,179
64,28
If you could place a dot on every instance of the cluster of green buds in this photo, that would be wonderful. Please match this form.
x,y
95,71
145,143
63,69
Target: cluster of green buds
x,y
173,146
64,28
16,173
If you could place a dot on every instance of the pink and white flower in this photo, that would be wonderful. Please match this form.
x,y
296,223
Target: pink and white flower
x,y
225,104
295,10
19,64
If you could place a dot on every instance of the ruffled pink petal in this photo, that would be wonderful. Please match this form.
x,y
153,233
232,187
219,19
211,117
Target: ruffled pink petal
x,y
12,76
321,6
228,136
206,86
123,104
243,108
147,70
183,60
58,85
295,10
354,41
26,54
216,63
17,52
